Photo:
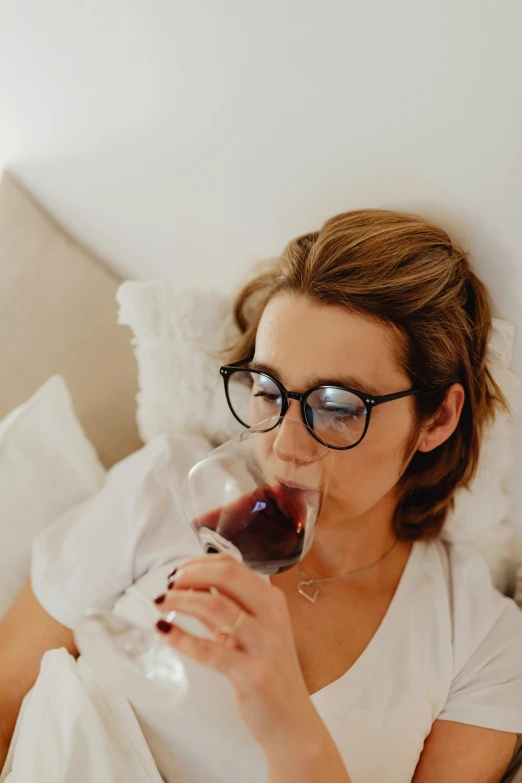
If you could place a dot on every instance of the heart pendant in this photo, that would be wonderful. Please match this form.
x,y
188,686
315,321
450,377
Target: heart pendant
x,y
302,592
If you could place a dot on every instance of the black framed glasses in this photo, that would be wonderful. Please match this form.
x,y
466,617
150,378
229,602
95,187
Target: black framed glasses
x,y
336,416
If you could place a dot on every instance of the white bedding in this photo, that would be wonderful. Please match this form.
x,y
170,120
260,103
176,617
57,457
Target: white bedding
x,y
71,729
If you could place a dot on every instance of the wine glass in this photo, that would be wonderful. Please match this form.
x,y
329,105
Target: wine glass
x,y
244,500
249,498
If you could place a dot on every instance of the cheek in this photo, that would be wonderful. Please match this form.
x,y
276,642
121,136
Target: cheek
x,y
365,474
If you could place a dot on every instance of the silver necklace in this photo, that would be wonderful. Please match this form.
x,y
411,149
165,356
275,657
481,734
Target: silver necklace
x,y
306,581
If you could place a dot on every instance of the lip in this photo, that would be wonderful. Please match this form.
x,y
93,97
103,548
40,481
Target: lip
x,y
294,485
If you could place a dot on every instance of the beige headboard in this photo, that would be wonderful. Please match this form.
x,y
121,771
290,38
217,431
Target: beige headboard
x,y
58,315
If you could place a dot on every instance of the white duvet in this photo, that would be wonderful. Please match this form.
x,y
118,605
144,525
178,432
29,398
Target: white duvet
x,y
70,730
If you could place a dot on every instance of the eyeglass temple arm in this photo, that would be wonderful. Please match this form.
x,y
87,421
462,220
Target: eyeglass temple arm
x,y
395,396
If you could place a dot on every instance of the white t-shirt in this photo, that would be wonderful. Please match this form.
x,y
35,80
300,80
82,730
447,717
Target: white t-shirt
x,y
449,646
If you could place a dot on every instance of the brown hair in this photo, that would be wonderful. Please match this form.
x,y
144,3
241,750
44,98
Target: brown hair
x,y
401,270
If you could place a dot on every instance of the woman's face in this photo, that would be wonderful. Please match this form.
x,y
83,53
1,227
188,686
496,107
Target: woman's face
x,y
305,343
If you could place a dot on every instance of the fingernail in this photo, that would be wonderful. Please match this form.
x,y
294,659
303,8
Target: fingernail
x,y
160,599
171,585
173,573
164,626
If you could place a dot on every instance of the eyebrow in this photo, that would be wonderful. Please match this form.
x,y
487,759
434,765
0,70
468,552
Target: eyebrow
x,y
349,381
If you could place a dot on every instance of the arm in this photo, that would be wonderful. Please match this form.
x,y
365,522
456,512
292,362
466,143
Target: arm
x,y
26,633
260,660
454,752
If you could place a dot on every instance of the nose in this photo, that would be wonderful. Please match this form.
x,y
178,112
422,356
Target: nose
x,y
293,442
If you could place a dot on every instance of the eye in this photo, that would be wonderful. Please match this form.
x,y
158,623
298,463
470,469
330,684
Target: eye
x,y
344,420
339,418
267,396
266,389
345,413
350,410
339,410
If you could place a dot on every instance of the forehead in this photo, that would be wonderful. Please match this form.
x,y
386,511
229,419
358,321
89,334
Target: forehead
x,y
304,340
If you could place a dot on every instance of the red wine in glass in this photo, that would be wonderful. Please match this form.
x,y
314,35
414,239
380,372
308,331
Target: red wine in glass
x,y
267,526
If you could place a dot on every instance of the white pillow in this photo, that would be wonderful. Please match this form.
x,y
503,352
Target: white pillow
x,y
176,329
47,465
181,390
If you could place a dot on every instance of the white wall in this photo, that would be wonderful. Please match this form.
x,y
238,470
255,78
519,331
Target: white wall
x,y
184,139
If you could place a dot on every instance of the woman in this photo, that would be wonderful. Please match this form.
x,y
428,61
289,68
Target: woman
x,y
407,665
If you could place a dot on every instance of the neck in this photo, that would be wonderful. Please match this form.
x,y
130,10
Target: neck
x,y
342,545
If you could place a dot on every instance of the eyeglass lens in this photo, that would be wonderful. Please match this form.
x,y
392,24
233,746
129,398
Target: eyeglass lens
x,y
337,416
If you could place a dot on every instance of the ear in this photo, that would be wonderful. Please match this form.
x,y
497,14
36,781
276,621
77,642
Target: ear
x,y
444,422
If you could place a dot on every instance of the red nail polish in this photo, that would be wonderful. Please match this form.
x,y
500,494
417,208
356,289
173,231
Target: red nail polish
x,y
171,585
160,599
172,574
164,626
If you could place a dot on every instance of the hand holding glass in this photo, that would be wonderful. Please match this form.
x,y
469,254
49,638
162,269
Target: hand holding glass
x,y
257,497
